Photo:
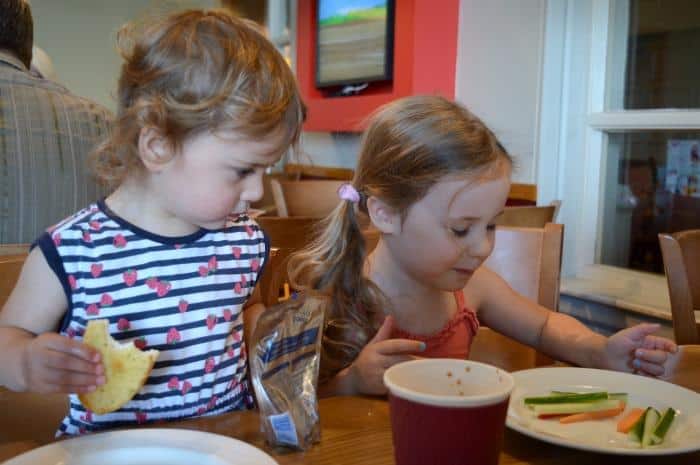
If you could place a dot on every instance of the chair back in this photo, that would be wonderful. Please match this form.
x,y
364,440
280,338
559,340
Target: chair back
x,y
681,255
266,203
526,217
12,257
522,194
288,235
288,232
529,260
311,198
31,417
682,367
299,171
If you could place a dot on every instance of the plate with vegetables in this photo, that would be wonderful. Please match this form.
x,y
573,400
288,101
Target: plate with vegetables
x,y
605,411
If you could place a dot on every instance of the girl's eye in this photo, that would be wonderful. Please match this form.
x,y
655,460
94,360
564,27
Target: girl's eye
x,y
460,232
243,172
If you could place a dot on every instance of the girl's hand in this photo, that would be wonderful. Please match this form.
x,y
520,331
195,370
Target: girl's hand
x,y
367,371
55,363
636,350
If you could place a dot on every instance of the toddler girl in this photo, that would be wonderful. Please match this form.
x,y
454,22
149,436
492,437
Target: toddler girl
x,y
433,178
205,104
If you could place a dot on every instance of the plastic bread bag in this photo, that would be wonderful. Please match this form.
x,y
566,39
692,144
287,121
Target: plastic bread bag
x,y
284,371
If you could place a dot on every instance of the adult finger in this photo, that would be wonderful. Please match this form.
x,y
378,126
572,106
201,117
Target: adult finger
x,y
64,344
399,346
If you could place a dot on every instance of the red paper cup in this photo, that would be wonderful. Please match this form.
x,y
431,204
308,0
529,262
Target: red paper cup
x,y
447,411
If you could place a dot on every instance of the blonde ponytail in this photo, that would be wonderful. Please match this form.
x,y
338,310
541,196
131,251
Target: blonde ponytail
x,y
331,268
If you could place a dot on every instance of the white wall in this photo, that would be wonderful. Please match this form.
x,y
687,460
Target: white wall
x,y
498,65
499,68
330,149
79,36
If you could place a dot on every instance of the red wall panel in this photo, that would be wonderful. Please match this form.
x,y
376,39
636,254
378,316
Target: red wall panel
x,y
425,54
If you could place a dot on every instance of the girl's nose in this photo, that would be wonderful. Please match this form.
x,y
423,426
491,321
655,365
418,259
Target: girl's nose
x,y
481,246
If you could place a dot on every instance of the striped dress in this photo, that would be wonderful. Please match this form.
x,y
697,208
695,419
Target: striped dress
x,y
183,296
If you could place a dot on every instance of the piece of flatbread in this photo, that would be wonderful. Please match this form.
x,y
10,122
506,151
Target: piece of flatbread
x,y
126,369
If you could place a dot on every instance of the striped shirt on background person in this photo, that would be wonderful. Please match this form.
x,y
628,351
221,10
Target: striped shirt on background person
x,y
183,296
46,134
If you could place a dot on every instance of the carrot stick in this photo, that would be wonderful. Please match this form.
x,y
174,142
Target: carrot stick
x,y
598,415
628,421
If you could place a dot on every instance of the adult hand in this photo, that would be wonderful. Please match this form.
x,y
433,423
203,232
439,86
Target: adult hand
x,y
367,371
55,363
637,350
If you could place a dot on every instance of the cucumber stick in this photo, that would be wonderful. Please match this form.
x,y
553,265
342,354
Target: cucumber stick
x,y
637,431
580,407
651,419
661,428
618,396
568,398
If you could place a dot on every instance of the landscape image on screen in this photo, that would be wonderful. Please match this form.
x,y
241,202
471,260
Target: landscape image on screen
x,y
352,40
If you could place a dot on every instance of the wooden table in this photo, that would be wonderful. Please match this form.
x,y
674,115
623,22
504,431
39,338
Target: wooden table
x,y
356,430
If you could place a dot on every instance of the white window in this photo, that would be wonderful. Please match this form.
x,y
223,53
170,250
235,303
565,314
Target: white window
x,y
619,96
619,139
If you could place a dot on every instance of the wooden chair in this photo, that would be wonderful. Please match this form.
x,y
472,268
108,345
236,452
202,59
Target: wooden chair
x,y
681,255
288,232
286,236
526,217
275,274
12,258
682,367
529,259
299,171
522,194
312,198
557,206
267,201
31,417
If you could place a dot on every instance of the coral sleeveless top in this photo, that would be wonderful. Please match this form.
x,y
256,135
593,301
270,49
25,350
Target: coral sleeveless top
x,y
454,339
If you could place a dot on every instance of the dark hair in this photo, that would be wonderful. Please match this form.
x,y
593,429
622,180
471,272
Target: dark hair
x,y
17,29
409,145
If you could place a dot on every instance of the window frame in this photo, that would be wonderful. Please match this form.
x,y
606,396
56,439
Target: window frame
x,y
575,123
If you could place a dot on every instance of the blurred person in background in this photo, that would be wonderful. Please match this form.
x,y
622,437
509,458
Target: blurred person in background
x,y
46,134
42,65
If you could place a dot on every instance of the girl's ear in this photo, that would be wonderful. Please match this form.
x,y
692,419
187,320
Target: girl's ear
x,y
154,149
383,217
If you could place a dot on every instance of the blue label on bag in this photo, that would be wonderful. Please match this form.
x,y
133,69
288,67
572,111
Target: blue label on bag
x,y
283,426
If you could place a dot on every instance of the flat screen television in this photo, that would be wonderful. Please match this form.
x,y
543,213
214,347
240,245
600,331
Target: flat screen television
x,y
354,42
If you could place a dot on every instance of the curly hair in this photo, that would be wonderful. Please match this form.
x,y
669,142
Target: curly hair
x,y
194,71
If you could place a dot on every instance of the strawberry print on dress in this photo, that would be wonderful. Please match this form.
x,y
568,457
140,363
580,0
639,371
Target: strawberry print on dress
x,y
153,293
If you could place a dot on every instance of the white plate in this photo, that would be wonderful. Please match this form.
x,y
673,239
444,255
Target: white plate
x,y
602,435
146,447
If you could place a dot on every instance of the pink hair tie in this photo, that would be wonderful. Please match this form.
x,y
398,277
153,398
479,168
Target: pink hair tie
x,y
347,192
